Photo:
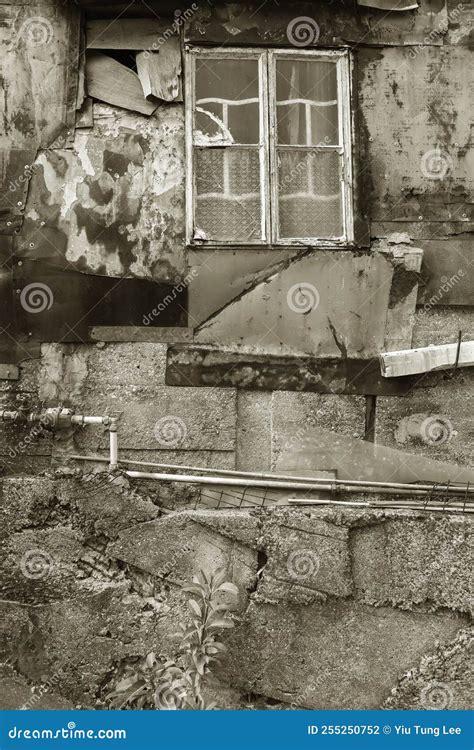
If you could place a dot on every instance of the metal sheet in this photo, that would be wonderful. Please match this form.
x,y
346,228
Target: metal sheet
x,y
60,305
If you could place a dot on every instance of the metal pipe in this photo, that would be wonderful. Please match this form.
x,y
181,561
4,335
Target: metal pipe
x,y
113,444
420,489
237,482
385,505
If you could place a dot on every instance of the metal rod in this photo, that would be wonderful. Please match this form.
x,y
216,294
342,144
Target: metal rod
x,y
384,505
113,444
315,482
238,482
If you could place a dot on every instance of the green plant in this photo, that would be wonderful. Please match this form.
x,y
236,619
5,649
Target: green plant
x,y
178,684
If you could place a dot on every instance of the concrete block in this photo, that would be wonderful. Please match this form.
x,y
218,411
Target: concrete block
x,y
178,546
407,562
184,419
296,418
304,552
254,431
435,422
340,654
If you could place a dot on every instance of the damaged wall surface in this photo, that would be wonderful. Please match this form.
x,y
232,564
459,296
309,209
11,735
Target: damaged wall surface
x,y
260,358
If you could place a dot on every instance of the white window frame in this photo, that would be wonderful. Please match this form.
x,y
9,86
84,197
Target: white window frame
x,y
268,144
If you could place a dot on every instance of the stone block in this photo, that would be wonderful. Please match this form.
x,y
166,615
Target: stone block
x,y
414,561
333,655
435,422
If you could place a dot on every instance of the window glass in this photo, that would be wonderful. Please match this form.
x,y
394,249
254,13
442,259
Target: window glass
x,y
309,194
306,94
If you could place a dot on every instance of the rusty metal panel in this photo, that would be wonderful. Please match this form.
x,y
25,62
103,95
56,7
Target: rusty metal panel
x,y
53,304
447,272
114,205
198,366
413,105
39,46
324,303
237,270
15,172
304,24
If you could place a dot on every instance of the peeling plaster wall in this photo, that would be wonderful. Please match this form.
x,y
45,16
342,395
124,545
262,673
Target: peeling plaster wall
x,y
114,204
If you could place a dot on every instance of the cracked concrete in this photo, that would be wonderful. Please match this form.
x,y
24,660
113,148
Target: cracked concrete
x,y
377,593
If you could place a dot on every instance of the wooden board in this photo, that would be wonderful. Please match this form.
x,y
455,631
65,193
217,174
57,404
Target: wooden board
x,y
128,33
114,83
426,359
160,72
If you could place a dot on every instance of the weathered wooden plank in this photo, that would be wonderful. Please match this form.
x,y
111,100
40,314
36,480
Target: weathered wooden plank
x,y
160,72
114,83
198,366
128,33
426,359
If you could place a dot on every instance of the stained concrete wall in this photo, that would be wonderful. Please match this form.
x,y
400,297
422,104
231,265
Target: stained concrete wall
x,y
337,609
387,595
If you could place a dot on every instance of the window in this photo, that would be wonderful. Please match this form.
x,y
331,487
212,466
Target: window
x,y
268,147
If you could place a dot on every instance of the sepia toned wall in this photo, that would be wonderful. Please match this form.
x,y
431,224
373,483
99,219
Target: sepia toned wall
x,y
131,322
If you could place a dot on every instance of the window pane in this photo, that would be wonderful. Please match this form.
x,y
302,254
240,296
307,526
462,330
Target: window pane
x,y
228,204
309,200
306,93
227,93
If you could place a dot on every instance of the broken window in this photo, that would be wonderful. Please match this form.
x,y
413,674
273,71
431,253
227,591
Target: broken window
x,y
268,147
